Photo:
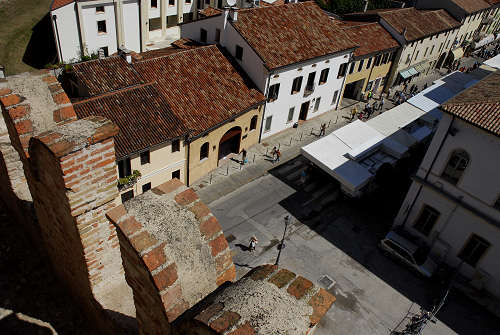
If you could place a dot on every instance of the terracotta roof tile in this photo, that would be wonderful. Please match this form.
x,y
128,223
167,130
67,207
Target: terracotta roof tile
x,y
370,36
493,2
419,23
479,104
209,11
471,6
59,3
290,33
141,113
105,75
201,86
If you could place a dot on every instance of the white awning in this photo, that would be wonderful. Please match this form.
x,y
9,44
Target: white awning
x,y
457,53
488,39
493,62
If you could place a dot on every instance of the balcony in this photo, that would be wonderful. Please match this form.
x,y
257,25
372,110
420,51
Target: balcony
x,y
129,181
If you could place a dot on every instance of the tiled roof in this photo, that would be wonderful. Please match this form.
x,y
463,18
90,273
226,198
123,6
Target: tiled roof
x,y
479,104
290,33
141,113
370,36
471,6
201,86
492,2
419,23
209,11
106,75
59,3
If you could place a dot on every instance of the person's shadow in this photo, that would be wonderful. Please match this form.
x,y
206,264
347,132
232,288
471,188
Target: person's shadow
x,y
242,247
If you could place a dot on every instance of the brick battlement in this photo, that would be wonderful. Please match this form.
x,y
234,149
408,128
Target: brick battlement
x,y
174,252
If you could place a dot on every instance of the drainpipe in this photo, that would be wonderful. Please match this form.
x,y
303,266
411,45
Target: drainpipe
x,y
428,172
186,140
54,18
264,109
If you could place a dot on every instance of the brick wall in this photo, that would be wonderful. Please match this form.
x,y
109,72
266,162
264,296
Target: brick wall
x,y
162,285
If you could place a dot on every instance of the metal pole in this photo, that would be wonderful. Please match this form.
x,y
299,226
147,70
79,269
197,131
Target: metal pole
x,y
282,244
329,123
254,158
267,150
311,131
301,135
227,169
210,179
291,141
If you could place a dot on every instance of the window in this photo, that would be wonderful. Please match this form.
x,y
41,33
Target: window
x,y
274,90
176,174
203,35
369,85
217,35
207,2
447,44
290,114
105,51
351,68
473,250
145,157
342,70
99,9
239,53
172,20
385,59
310,82
440,47
323,76
408,59
146,187
101,27
360,66
127,195
269,120
377,60
155,24
204,151
188,1
316,104
154,3
176,145
171,2
425,53
335,96
456,166
297,85
124,168
369,63
416,54
253,123
426,220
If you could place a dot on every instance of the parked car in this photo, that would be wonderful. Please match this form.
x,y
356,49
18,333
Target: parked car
x,y
409,253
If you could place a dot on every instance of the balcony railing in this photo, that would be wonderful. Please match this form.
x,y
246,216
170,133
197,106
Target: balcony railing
x,y
129,181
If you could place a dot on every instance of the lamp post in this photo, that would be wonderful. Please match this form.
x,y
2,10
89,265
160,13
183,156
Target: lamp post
x,y
281,246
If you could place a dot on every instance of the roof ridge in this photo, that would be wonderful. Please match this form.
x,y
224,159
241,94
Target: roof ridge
x,y
120,90
181,51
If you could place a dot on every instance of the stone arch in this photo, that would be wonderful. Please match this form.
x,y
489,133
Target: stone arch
x,y
230,142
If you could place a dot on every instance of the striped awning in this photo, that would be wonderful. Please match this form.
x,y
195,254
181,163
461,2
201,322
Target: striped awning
x,y
405,74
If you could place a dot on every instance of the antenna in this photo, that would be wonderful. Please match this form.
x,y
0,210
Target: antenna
x,y
231,3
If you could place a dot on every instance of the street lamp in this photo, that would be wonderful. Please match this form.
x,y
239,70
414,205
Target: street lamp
x,y
281,246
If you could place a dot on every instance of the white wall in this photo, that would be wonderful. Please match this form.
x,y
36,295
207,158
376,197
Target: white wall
x,y
479,187
67,26
94,40
131,26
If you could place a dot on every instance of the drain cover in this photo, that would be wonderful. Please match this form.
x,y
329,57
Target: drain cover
x,y
230,238
326,282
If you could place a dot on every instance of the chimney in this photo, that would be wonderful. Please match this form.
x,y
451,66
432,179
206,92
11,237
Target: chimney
x,y
126,54
366,6
233,13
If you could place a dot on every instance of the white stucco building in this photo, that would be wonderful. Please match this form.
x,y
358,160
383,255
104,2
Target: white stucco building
x,y
453,204
293,53
85,26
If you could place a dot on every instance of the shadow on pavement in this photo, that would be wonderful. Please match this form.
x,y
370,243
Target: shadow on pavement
x,y
41,48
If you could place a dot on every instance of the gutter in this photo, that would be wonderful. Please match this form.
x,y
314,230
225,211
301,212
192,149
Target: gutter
x,y
54,18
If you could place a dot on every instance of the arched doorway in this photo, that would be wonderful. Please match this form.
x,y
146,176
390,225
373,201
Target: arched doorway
x,y
230,142
441,60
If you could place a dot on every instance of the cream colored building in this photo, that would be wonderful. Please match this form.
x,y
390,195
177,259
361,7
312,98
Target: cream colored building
x,y
372,60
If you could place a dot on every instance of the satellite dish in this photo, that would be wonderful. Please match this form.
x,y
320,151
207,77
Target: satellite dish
x,y
231,2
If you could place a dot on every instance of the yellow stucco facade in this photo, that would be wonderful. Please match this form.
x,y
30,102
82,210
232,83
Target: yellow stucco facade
x,y
198,168
374,74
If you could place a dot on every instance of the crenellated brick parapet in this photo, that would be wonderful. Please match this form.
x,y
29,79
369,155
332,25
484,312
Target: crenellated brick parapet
x,y
174,253
268,300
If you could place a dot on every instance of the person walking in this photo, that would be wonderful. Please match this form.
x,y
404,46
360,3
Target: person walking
x,y
253,244
278,155
243,157
381,103
322,129
354,111
273,153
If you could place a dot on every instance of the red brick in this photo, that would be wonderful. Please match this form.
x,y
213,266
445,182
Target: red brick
x,y
61,148
61,98
245,329
210,227
104,132
116,213
299,287
186,197
130,226
49,79
225,321
81,158
321,303
56,87
172,296
155,257
72,169
105,148
104,163
282,278
209,312
166,277
143,241
10,100
19,111
93,160
63,114
219,244
5,91
169,186
222,261
24,127
25,140
262,272
200,210
229,275
49,137
177,310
